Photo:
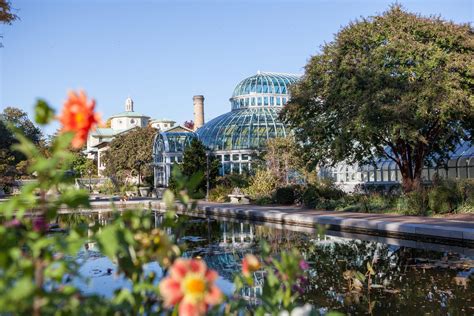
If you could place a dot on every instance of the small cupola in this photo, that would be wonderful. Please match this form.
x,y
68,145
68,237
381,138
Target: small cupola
x,y
129,105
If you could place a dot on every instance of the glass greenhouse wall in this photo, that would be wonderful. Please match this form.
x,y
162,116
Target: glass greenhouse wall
x,y
386,173
168,148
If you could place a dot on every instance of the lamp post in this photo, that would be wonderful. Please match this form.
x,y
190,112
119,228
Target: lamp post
x,y
89,172
139,164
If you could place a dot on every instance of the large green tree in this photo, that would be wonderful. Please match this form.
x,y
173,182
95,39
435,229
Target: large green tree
x,y
130,153
13,163
398,86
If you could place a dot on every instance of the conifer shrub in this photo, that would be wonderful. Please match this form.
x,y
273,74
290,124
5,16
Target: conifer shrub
x,y
285,195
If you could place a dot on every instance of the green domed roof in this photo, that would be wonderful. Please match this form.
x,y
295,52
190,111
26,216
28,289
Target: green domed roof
x,y
245,129
266,83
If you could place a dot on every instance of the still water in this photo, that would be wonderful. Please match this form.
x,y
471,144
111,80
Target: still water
x,y
411,278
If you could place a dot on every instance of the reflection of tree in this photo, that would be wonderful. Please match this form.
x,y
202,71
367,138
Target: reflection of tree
x,y
407,281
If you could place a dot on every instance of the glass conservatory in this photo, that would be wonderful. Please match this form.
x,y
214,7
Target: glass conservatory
x,y
386,173
253,119
168,149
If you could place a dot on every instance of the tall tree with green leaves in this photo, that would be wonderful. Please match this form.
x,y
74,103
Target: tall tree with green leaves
x,y
129,154
195,161
12,162
397,85
283,158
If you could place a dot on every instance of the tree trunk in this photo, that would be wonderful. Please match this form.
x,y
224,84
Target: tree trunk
x,y
409,185
411,176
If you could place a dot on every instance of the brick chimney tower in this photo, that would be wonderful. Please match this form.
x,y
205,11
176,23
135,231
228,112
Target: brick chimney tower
x,y
198,102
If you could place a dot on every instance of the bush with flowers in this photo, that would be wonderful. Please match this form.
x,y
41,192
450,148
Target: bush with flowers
x,y
36,266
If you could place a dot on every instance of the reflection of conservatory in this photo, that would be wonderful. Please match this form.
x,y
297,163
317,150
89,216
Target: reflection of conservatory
x,y
386,172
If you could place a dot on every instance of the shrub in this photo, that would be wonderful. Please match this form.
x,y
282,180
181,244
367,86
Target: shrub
x,y
329,191
466,207
311,196
233,181
444,197
413,203
323,195
220,194
108,187
262,184
265,200
298,190
466,190
285,195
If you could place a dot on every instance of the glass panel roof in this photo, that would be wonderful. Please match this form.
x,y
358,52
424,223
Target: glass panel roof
x,y
265,82
242,129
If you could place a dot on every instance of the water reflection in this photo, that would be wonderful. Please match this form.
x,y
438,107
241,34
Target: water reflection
x,y
408,280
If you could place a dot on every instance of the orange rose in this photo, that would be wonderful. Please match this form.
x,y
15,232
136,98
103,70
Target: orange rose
x,y
78,117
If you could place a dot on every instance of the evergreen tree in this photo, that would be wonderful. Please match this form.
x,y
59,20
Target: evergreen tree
x,y
195,161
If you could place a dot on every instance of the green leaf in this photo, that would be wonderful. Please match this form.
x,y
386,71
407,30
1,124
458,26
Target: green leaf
x,y
108,241
75,198
168,198
360,276
43,112
22,289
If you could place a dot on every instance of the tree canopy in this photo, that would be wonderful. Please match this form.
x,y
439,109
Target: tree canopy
x,y
397,86
12,162
283,158
6,15
130,152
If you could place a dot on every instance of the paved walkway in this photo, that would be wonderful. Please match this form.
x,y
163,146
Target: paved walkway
x,y
458,229
456,220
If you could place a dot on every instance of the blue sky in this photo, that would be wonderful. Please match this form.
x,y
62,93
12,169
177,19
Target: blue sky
x,y
161,53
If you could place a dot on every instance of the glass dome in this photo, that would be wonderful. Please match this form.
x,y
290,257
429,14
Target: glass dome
x,y
242,129
256,103
265,89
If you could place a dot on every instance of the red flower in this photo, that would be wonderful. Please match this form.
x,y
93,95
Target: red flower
x,y
78,117
250,264
191,285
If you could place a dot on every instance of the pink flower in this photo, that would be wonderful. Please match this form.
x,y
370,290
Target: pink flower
x,y
40,224
191,285
304,265
12,224
250,264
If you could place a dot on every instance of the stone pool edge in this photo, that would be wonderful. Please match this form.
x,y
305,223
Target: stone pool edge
x,y
421,232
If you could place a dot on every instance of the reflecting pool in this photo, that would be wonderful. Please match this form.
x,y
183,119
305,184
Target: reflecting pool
x,y
411,278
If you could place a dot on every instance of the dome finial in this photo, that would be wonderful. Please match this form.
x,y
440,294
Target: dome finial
x,y
258,72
